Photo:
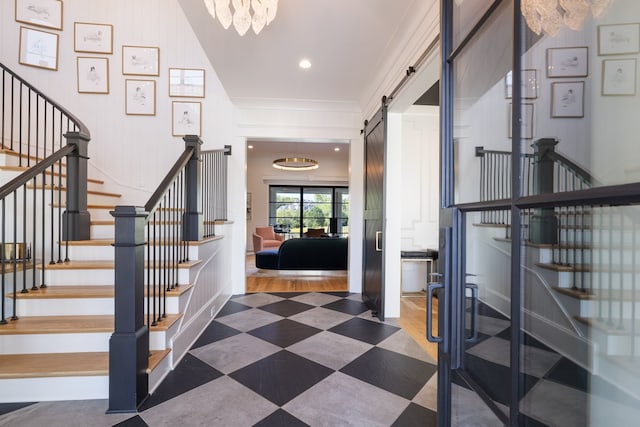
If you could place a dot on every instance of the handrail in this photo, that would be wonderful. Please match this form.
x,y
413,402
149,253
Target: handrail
x,y
34,171
577,169
82,128
164,186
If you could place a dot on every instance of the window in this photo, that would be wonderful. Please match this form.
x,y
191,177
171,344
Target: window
x,y
295,209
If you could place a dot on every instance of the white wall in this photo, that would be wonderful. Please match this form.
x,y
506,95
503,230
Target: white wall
x,y
133,153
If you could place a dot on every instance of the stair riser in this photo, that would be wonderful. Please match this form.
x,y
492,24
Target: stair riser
x,y
106,253
97,277
614,345
82,306
54,389
594,309
107,232
73,343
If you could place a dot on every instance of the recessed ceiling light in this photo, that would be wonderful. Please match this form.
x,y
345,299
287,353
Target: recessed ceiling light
x,y
250,147
336,149
305,63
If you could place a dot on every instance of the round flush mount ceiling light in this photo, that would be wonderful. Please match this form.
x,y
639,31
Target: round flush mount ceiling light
x,y
304,64
295,164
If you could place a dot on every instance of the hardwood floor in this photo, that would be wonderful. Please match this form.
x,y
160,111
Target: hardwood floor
x,y
412,308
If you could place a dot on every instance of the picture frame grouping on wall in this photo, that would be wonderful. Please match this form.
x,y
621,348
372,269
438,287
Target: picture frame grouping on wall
x,y
619,77
41,13
186,82
140,97
529,84
141,60
93,75
92,38
186,118
568,62
618,39
38,48
567,99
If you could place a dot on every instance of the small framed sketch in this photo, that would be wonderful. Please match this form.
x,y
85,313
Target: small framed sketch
x,y
618,39
42,13
619,77
92,38
141,60
529,88
93,75
186,83
140,97
38,48
526,131
186,118
567,62
567,99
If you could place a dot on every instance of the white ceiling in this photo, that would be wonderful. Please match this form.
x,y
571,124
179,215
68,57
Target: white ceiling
x,y
346,41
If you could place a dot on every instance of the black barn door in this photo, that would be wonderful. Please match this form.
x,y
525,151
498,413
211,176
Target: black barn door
x,y
373,257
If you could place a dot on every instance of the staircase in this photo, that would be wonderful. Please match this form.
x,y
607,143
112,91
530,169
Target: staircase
x,y
580,273
62,280
58,348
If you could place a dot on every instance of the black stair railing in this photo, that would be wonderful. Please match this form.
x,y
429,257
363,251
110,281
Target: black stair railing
x,y
214,187
150,245
48,146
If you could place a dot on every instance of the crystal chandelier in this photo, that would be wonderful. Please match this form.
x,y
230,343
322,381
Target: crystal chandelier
x,y
549,16
263,13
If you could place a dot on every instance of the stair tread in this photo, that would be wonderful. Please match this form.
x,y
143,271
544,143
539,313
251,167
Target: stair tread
x,y
55,187
89,206
559,267
101,265
614,295
83,291
48,172
109,242
545,245
610,329
64,364
72,324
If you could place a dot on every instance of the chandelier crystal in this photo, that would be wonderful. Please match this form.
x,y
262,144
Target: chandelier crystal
x,y
549,16
264,11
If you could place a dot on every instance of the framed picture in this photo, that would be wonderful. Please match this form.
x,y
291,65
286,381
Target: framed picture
x,y
140,97
619,77
92,38
527,121
186,82
41,13
141,60
618,39
567,99
567,62
529,88
186,118
38,48
93,75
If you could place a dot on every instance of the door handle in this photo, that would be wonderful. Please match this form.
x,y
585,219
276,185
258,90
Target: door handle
x,y
378,246
473,330
431,288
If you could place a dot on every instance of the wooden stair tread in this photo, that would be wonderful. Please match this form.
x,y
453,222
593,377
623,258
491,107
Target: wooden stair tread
x,y
610,329
558,267
42,365
84,291
54,365
101,265
89,206
30,325
55,187
47,172
614,295
545,245
92,242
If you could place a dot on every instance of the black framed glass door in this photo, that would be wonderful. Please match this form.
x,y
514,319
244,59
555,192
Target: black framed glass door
x,y
540,230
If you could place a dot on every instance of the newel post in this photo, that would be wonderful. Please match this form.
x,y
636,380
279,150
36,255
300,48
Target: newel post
x,y
192,221
544,224
76,217
129,344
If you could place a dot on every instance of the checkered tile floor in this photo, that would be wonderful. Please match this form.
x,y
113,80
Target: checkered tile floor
x,y
296,359
557,392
